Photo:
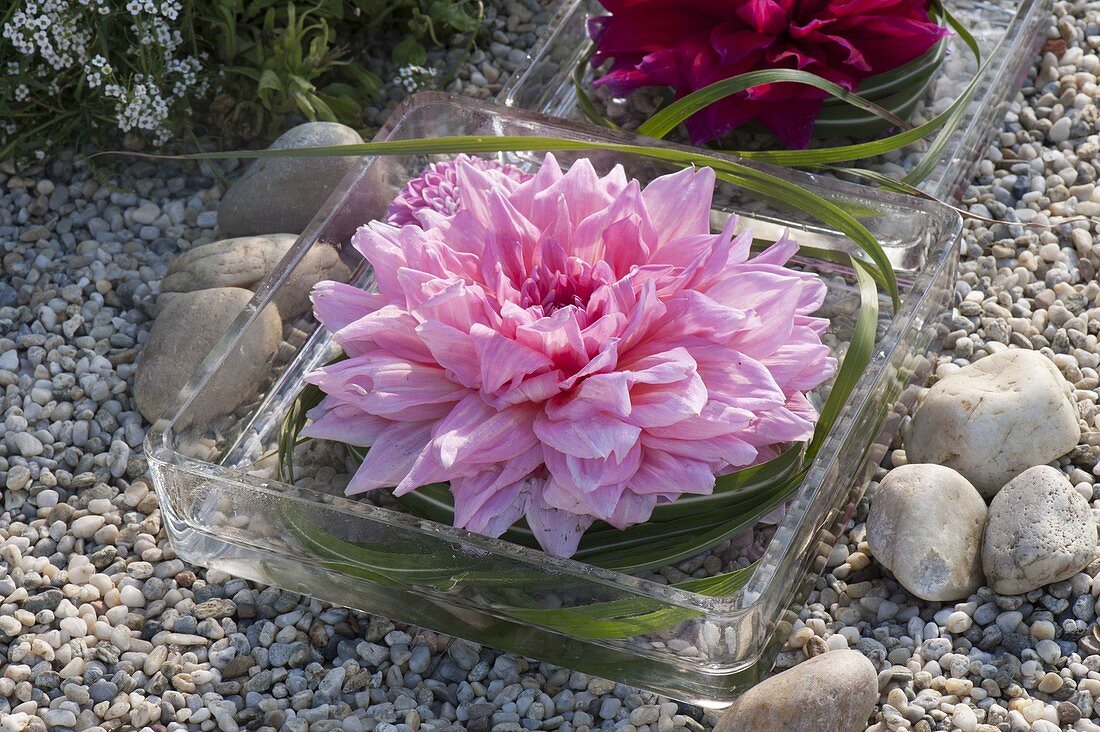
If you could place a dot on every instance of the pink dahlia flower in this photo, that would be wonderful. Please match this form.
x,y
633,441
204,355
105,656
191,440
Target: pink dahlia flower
x,y
690,44
436,189
568,349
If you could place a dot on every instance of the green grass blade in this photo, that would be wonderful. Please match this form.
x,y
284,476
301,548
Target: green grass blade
x,y
860,350
836,215
633,616
671,116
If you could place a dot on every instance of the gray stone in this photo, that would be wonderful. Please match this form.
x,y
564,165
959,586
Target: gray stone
x,y
284,194
925,525
103,690
995,418
182,336
833,691
1040,530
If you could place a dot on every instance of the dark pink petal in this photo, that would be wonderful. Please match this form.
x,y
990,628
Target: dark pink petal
x,y
657,26
768,17
739,47
792,125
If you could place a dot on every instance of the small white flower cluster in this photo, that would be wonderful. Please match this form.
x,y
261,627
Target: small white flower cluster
x,y
47,29
141,107
412,78
55,40
95,71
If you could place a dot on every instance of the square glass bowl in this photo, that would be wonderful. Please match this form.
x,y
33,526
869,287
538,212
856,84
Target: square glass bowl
x,y
1009,33
212,455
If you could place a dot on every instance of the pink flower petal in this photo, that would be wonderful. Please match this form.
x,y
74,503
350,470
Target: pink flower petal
x,y
558,532
662,472
336,304
333,420
390,328
583,475
568,347
505,361
481,498
391,456
452,349
679,203
599,436
474,433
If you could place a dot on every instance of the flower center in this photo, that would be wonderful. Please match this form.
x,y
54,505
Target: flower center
x,y
572,283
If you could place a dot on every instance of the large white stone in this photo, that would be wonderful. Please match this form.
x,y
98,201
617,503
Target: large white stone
x,y
284,193
244,262
995,418
925,525
834,691
1040,530
186,330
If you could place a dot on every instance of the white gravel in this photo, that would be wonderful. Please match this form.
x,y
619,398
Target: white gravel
x,y
102,628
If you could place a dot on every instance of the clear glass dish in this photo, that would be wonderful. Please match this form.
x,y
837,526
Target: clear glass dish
x,y
1008,32
213,465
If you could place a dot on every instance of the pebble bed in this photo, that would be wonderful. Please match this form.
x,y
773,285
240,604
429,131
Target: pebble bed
x,y
514,26
103,628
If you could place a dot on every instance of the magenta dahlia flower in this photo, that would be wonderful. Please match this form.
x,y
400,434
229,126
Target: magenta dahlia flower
x,y
436,189
568,349
690,44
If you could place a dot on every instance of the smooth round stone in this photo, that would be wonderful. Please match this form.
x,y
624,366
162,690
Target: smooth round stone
x,y
1040,530
181,337
995,418
925,525
245,262
285,193
86,526
833,691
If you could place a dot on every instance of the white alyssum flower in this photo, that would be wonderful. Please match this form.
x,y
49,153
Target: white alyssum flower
x,y
412,78
57,37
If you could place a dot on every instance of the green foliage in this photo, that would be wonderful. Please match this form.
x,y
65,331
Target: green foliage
x,y
235,69
302,57
77,70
